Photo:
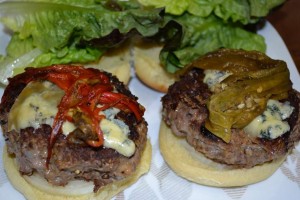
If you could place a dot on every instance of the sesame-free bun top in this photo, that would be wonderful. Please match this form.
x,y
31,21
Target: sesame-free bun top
x,y
115,61
148,67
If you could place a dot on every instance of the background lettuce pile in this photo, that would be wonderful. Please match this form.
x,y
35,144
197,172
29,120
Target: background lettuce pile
x,y
48,32
207,25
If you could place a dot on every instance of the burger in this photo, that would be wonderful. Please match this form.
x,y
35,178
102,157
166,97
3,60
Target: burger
x,y
231,119
72,133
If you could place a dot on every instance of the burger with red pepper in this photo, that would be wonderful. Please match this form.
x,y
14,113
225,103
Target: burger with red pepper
x,y
72,132
231,119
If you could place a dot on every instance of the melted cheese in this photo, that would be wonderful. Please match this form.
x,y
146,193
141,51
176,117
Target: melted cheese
x,y
37,104
68,127
270,124
115,138
212,77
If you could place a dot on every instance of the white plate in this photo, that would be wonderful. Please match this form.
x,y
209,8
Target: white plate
x,y
162,183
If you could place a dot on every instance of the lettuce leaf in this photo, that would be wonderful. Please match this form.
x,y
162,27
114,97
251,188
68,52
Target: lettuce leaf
x,y
243,11
53,25
207,25
80,31
261,8
72,31
198,36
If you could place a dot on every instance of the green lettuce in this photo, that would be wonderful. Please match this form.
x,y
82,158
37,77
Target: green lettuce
x,y
198,36
80,31
207,25
71,31
261,8
243,11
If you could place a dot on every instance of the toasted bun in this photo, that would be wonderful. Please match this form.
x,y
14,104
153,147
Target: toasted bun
x,y
35,187
194,166
148,67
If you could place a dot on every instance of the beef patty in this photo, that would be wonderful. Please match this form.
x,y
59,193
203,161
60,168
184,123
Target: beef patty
x,y
185,111
69,161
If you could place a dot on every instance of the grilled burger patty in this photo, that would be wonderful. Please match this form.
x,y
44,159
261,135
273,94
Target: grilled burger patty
x,y
185,111
70,159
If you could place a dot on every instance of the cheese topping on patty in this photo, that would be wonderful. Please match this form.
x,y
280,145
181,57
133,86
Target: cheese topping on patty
x,y
37,105
270,124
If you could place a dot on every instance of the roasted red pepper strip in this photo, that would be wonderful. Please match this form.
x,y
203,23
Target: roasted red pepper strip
x,y
123,102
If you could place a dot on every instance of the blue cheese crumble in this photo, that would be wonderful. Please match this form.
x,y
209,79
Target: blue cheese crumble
x,y
115,133
214,77
270,124
37,104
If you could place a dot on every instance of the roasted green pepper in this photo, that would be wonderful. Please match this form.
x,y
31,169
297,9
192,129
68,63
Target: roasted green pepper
x,y
254,79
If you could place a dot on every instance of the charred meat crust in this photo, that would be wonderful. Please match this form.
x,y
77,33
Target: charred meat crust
x,y
184,110
69,161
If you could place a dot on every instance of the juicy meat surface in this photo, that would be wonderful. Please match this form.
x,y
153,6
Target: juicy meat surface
x,y
185,111
70,161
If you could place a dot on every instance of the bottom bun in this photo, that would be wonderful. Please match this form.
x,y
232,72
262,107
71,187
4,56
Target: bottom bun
x,y
35,187
194,166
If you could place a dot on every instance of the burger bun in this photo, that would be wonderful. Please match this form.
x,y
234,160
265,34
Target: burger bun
x,y
148,67
35,187
194,166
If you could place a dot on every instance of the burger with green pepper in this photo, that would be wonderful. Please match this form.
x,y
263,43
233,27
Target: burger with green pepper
x,y
231,119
